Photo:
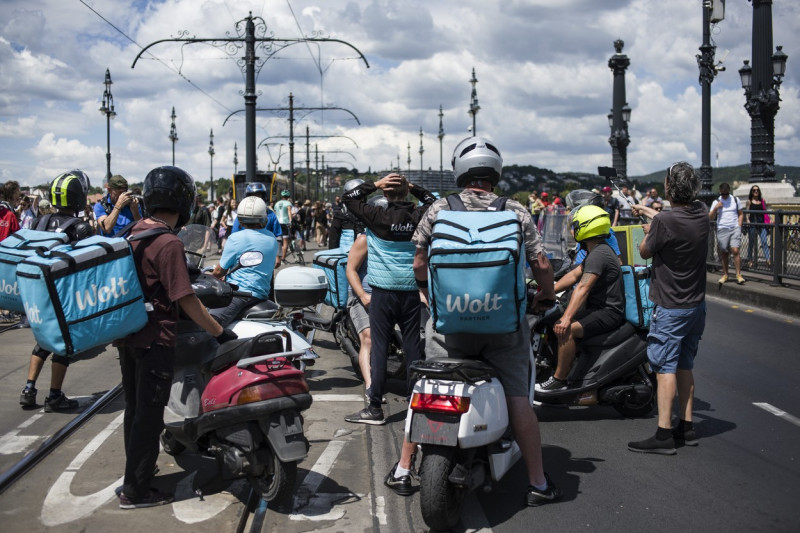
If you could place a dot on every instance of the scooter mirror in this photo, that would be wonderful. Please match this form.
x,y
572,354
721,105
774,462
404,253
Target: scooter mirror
x,y
250,259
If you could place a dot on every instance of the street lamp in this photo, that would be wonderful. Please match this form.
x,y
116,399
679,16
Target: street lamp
x,y
620,114
211,154
409,159
713,12
441,159
235,159
173,135
761,83
107,109
473,103
421,150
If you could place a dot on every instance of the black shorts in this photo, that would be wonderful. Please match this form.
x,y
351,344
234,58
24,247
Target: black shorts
x,y
597,321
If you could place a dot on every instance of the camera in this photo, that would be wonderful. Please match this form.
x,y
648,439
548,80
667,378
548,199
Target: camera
x,y
607,172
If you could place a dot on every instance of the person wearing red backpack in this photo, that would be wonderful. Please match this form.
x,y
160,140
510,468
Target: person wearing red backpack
x,y
68,196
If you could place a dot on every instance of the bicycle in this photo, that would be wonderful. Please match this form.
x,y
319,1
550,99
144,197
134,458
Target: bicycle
x,y
295,254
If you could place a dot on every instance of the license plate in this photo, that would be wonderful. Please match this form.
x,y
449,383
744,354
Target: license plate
x,y
435,428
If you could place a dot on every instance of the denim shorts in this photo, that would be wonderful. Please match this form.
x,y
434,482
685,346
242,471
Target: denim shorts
x,y
674,337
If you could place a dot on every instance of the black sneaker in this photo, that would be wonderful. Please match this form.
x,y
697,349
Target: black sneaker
x,y
153,498
28,397
688,437
368,415
60,403
654,445
401,485
536,497
552,384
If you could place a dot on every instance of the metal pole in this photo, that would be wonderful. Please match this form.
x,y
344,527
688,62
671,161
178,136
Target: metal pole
x,y
291,142
762,117
173,134
421,150
211,154
705,62
441,159
250,99
619,139
316,170
308,166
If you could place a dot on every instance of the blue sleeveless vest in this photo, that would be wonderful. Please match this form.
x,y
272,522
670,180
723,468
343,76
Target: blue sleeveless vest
x,y
390,264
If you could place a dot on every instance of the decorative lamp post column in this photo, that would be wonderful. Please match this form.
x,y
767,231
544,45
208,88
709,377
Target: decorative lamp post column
x,y
761,83
421,150
235,159
713,12
473,103
409,159
620,112
441,159
173,134
211,155
107,109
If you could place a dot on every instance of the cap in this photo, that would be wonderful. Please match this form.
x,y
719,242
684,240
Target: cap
x,y
45,204
544,195
307,202
117,182
606,189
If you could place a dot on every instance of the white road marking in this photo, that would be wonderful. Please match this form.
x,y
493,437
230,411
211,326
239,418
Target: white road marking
x,y
338,398
60,505
380,510
311,505
778,412
190,509
12,442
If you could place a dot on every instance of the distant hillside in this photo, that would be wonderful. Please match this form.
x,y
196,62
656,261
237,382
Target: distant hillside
x,y
732,175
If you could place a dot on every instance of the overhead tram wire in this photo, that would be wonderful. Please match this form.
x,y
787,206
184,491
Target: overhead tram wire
x,y
167,65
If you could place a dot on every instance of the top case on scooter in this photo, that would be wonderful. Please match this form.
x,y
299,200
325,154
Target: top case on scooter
x,y
334,263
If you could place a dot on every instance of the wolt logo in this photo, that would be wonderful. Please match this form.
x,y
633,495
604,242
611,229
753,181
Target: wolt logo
x,y
490,302
102,294
8,288
32,312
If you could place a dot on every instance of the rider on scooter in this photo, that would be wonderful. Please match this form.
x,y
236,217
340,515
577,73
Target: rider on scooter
x,y
256,279
272,228
597,302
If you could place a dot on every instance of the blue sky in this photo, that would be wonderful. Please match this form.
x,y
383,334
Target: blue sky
x,y
544,85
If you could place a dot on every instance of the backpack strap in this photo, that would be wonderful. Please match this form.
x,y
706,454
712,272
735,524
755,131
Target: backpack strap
x,y
455,203
43,222
66,224
499,204
154,232
126,229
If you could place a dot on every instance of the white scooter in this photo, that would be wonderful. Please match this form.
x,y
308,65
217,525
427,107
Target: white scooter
x,y
458,415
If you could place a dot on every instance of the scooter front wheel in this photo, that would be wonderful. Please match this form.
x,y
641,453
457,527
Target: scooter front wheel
x,y
440,500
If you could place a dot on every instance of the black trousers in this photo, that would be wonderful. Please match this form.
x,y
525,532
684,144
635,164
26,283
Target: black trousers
x,y
146,382
387,309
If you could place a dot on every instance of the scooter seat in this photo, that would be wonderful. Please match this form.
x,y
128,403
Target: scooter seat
x,y
469,370
263,309
235,350
611,338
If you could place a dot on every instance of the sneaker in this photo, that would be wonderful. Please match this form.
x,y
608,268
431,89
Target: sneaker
x,y
61,403
536,497
654,445
368,415
740,280
401,485
152,499
552,384
28,397
688,437
723,279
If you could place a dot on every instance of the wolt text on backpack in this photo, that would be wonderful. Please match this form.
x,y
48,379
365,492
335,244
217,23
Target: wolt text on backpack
x,y
476,269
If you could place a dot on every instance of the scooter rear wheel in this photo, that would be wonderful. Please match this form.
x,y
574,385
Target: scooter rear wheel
x,y
634,407
440,500
276,484
170,444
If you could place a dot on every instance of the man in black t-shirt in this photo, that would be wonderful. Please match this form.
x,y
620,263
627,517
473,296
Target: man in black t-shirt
x,y
677,240
597,302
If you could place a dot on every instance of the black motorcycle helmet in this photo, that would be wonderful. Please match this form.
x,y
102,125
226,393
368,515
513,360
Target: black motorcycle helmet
x,y
170,188
69,190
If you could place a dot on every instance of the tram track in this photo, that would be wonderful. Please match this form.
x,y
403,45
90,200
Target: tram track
x,y
23,466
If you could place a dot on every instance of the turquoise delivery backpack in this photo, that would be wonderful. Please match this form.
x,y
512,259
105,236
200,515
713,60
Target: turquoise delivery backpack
x,y
476,270
17,247
81,296
333,263
638,307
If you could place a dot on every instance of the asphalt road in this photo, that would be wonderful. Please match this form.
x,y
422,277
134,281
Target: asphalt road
x,y
742,476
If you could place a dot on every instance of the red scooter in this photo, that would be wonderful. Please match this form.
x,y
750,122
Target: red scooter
x,y
240,402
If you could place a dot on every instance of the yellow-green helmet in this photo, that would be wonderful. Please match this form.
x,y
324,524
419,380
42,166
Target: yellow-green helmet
x,y
590,221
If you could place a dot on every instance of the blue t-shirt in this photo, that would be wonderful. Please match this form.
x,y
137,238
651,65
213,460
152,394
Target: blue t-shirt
x,y
255,279
611,240
124,217
272,228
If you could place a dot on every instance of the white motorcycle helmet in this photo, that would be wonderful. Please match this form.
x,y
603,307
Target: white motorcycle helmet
x,y
252,210
476,158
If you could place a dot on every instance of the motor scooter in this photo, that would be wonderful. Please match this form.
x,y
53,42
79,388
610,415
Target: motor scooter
x,y
242,402
458,415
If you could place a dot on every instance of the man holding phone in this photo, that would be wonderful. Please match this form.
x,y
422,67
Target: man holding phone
x,y
118,208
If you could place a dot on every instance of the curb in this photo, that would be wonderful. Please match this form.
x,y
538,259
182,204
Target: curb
x,y
757,293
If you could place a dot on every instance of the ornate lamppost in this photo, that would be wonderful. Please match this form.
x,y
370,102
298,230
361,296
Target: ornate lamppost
x,y
441,159
173,134
620,112
761,83
409,159
235,159
713,12
107,109
211,155
473,103
421,151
